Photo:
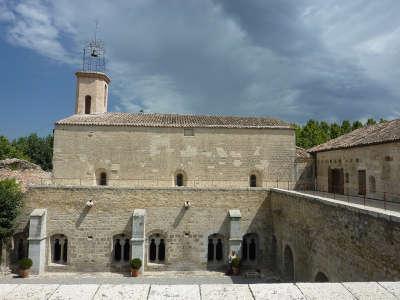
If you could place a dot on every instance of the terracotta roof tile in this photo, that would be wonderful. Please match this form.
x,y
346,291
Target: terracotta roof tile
x,y
172,120
375,134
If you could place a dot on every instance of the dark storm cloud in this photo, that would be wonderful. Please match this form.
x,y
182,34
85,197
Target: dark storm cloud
x,y
291,59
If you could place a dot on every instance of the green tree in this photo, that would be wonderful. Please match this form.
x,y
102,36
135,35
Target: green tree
x,y
335,130
357,124
370,121
7,150
346,127
10,205
38,149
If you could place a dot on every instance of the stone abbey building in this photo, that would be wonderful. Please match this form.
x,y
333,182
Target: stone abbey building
x,y
182,191
177,191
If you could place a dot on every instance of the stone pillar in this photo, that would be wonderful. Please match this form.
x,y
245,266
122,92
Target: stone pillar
x,y
235,235
138,235
37,240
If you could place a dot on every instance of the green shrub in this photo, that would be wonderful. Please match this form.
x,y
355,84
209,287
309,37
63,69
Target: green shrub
x,y
25,263
136,263
236,262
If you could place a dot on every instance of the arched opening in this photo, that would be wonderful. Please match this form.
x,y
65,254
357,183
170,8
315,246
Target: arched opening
x,y
180,178
88,104
215,249
101,177
121,249
321,277
157,249
288,264
249,248
274,251
105,95
253,180
59,249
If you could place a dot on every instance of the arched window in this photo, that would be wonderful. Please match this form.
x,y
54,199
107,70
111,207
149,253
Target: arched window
x,y
105,95
253,180
321,277
288,264
249,248
121,249
180,179
88,104
59,249
215,249
156,253
103,178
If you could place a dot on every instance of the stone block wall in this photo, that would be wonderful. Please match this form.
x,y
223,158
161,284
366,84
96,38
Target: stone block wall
x,y
381,162
345,242
151,157
90,231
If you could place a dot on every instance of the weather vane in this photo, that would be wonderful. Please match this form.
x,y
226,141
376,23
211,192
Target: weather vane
x,y
94,54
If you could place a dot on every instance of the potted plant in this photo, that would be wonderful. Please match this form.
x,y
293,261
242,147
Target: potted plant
x,y
236,266
135,263
24,267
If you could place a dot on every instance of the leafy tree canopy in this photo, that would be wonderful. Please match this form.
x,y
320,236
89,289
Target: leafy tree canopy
x,y
314,132
33,148
10,205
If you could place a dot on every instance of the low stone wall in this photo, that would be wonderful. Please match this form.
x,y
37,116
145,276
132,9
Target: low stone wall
x,y
344,241
90,231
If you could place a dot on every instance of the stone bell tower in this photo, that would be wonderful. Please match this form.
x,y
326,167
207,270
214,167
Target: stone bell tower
x,y
92,82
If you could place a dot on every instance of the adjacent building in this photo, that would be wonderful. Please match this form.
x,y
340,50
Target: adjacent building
x,y
364,162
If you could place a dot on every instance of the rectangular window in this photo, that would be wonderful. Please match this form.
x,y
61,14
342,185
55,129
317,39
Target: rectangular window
x,y
362,184
188,132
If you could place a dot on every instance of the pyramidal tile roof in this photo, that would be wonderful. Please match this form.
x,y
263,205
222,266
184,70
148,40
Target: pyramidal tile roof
x,y
384,132
172,120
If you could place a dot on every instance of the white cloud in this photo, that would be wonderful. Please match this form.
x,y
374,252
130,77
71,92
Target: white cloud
x,y
323,59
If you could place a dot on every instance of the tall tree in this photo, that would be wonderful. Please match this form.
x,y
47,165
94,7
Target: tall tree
x,y
10,205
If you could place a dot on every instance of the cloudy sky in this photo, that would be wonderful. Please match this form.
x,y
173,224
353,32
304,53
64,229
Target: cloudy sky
x,y
292,59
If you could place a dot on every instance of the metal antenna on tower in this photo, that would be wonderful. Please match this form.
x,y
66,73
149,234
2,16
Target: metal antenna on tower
x,y
94,55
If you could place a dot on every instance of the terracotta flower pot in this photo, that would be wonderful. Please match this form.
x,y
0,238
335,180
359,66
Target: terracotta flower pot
x,y
134,272
235,270
23,273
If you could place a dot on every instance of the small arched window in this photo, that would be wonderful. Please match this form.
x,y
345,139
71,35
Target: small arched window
x,y
253,180
121,249
105,95
103,178
59,249
156,249
179,179
88,104
321,277
215,248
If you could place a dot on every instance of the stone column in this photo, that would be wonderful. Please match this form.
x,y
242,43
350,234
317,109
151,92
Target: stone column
x,y
37,240
138,235
235,235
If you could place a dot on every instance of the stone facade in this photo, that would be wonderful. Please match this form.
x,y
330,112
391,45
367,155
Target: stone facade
x,y
90,231
342,241
380,162
146,156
